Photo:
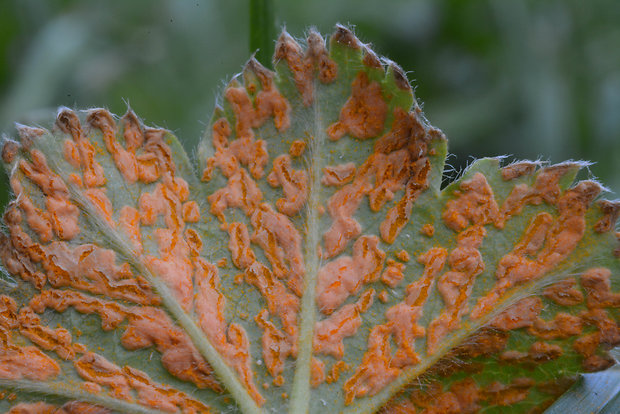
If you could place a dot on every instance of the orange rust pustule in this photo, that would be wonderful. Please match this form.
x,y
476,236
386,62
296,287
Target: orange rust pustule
x,y
330,332
72,407
546,188
293,182
520,315
610,210
505,395
277,346
344,276
303,65
545,243
15,250
147,326
393,273
281,242
122,381
24,362
62,213
93,269
240,192
279,301
338,175
55,340
563,325
40,221
398,216
68,122
403,317
346,37
317,372
597,284
239,245
375,370
473,204
209,304
297,148
518,169
363,114
124,160
539,352
565,293
390,173
455,286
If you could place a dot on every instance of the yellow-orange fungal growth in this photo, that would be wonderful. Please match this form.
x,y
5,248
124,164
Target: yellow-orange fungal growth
x,y
547,241
403,316
330,332
337,175
191,212
239,245
122,381
375,370
317,372
10,149
297,148
455,286
317,53
293,182
279,302
390,173
277,346
520,315
303,65
398,216
402,255
129,221
428,230
101,203
69,123
55,340
281,243
597,284
24,362
240,192
363,115
124,160
147,326
393,273
62,213
565,293
344,276
472,204
563,325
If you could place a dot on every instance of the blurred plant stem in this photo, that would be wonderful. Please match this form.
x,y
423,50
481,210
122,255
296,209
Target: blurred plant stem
x,y
262,30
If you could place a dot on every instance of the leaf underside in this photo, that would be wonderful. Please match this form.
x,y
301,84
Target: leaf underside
x,y
310,262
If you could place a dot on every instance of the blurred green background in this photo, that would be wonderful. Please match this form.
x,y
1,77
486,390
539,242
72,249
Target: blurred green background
x,y
533,79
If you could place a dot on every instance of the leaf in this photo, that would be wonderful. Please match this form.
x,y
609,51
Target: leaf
x,y
310,263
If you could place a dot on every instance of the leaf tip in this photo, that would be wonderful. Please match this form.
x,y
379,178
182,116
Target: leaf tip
x,y
345,37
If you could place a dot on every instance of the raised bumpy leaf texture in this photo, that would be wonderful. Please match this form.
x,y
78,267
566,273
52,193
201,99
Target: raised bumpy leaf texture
x,y
311,263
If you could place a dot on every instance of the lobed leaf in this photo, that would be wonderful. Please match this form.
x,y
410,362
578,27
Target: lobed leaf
x,y
311,262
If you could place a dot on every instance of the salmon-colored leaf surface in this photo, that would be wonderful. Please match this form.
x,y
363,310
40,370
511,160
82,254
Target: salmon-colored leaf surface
x,y
305,260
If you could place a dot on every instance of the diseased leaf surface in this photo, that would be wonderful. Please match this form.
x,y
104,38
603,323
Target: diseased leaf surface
x,y
309,263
